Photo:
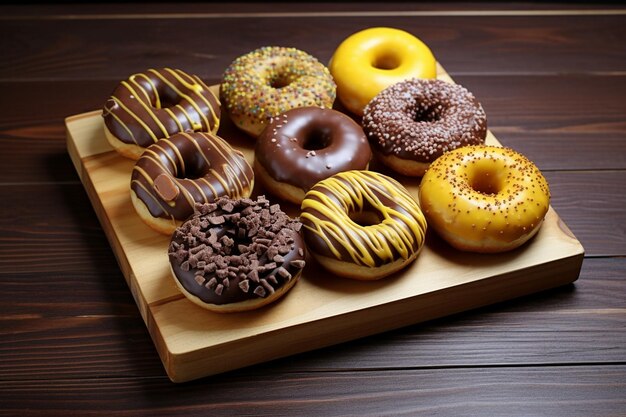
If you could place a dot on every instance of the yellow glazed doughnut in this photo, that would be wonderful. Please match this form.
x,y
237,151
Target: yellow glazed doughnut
x,y
271,80
362,225
370,60
484,198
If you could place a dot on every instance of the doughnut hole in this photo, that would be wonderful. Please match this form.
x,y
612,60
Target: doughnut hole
x,y
487,178
317,139
164,96
193,167
279,82
429,114
159,94
367,216
281,77
386,61
168,98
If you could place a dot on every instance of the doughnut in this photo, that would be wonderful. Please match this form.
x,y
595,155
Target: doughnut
x,y
370,60
175,173
271,80
362,225
236,254
156,104
412,123
484,198
303,146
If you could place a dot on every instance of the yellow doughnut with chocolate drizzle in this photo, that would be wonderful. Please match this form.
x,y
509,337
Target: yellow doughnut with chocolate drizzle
x,y
175,173
156,104
362,224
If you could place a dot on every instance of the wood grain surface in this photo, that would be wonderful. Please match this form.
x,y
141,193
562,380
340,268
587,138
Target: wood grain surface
x,y
551,78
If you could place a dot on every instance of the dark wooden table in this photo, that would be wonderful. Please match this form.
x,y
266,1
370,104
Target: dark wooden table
x,y
552,79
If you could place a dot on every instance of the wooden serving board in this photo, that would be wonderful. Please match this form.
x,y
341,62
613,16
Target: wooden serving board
x,y
321,309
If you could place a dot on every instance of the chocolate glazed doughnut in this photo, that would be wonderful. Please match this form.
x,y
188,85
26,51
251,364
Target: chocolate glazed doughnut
x,y
412,123
236,255
175,173
157,104
303,146
362,225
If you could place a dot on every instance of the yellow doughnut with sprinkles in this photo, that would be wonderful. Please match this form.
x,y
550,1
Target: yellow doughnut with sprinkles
x,y
362,225
156,104
271,80
484,198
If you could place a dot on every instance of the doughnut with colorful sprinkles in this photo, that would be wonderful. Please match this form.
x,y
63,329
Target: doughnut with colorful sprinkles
x,y
271,80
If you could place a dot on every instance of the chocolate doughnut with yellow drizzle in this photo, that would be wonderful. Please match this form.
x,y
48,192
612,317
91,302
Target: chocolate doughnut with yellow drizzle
x,y
175,173
362,225
156,104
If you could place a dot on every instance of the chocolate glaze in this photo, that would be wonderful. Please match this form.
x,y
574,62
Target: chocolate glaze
x,y
421,119
175,173
305,145
218,262
159,103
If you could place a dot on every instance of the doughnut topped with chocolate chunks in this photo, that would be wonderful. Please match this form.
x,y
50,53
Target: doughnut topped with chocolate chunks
x,y
237,254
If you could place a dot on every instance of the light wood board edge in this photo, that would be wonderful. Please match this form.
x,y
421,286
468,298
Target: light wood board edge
x,y
306,337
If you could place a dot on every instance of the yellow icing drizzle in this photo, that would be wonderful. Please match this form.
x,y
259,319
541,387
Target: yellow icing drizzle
x,y
179,156
215,194
124,126
175,119
147,108
137,118
326,211
193,87
143,90
150,153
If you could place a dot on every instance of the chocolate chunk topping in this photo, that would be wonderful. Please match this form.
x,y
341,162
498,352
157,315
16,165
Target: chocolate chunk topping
x,y
283,273
166,188
219,289
297,263
237,250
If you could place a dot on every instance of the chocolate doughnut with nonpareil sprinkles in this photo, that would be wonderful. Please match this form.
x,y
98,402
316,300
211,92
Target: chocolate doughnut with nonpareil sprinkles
x,y
237,254
412,123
